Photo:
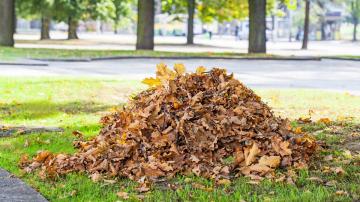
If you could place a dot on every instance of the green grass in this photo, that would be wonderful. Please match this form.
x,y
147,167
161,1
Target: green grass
x,y
357,57
42,53
77,104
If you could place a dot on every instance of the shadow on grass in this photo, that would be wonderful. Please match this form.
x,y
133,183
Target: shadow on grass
x,y
44,108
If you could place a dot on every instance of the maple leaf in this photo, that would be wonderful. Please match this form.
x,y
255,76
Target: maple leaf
x,y
325,121
151,82
179,69
225,182
200,70
271,161
298,130
250,154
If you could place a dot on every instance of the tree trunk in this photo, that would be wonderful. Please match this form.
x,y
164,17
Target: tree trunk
x,y
7,22
15,18
306,25
257,26
355,31
72,32
190,24
145,25
45,28
323,34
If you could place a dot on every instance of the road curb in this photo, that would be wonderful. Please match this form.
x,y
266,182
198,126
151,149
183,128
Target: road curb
x,y
301,58
341,58
23,64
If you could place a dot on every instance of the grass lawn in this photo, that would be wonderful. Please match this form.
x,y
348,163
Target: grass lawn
x,y
8,54
77,104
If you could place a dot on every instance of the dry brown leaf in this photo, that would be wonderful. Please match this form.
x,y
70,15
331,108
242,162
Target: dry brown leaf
x,y
225,182
123,195
271,161
96,177
251,153
341,193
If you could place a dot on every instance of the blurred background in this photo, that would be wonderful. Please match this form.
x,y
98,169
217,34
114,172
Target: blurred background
x,y
224,25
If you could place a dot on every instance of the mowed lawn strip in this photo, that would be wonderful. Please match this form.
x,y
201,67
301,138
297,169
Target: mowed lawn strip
x,y
78,104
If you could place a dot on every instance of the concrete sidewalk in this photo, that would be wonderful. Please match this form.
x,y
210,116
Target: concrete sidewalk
x,y
13,189
94,41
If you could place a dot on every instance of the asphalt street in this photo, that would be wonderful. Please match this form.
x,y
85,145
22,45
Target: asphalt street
x,y
336,75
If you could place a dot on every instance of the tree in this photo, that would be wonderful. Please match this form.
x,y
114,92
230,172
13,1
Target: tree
x,y
257,26
145,25
182,7
190,22
72,11
7,22
38,9
355,16
122,9
306,25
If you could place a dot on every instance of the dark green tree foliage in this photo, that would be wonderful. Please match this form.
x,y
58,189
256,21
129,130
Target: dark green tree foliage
x,y
145,25
72,11
122,8
7,22
37,9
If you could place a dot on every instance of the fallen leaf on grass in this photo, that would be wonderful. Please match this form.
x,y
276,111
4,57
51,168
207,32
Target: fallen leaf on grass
x,y
330,183
202,187
325,121
27,143
341,193
328,158
338,170
123,195
225,182
316,179
96,177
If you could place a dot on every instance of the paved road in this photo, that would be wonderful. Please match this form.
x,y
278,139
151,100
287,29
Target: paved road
x,y
14,190
338,75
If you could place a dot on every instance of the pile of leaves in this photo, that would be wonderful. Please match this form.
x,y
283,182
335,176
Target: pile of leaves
x,y
203,123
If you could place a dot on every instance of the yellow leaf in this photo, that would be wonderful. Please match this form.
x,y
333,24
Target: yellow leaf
x,y
122,139
179,69
200,70
298,130
325,121
151,82
176,105
164,73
